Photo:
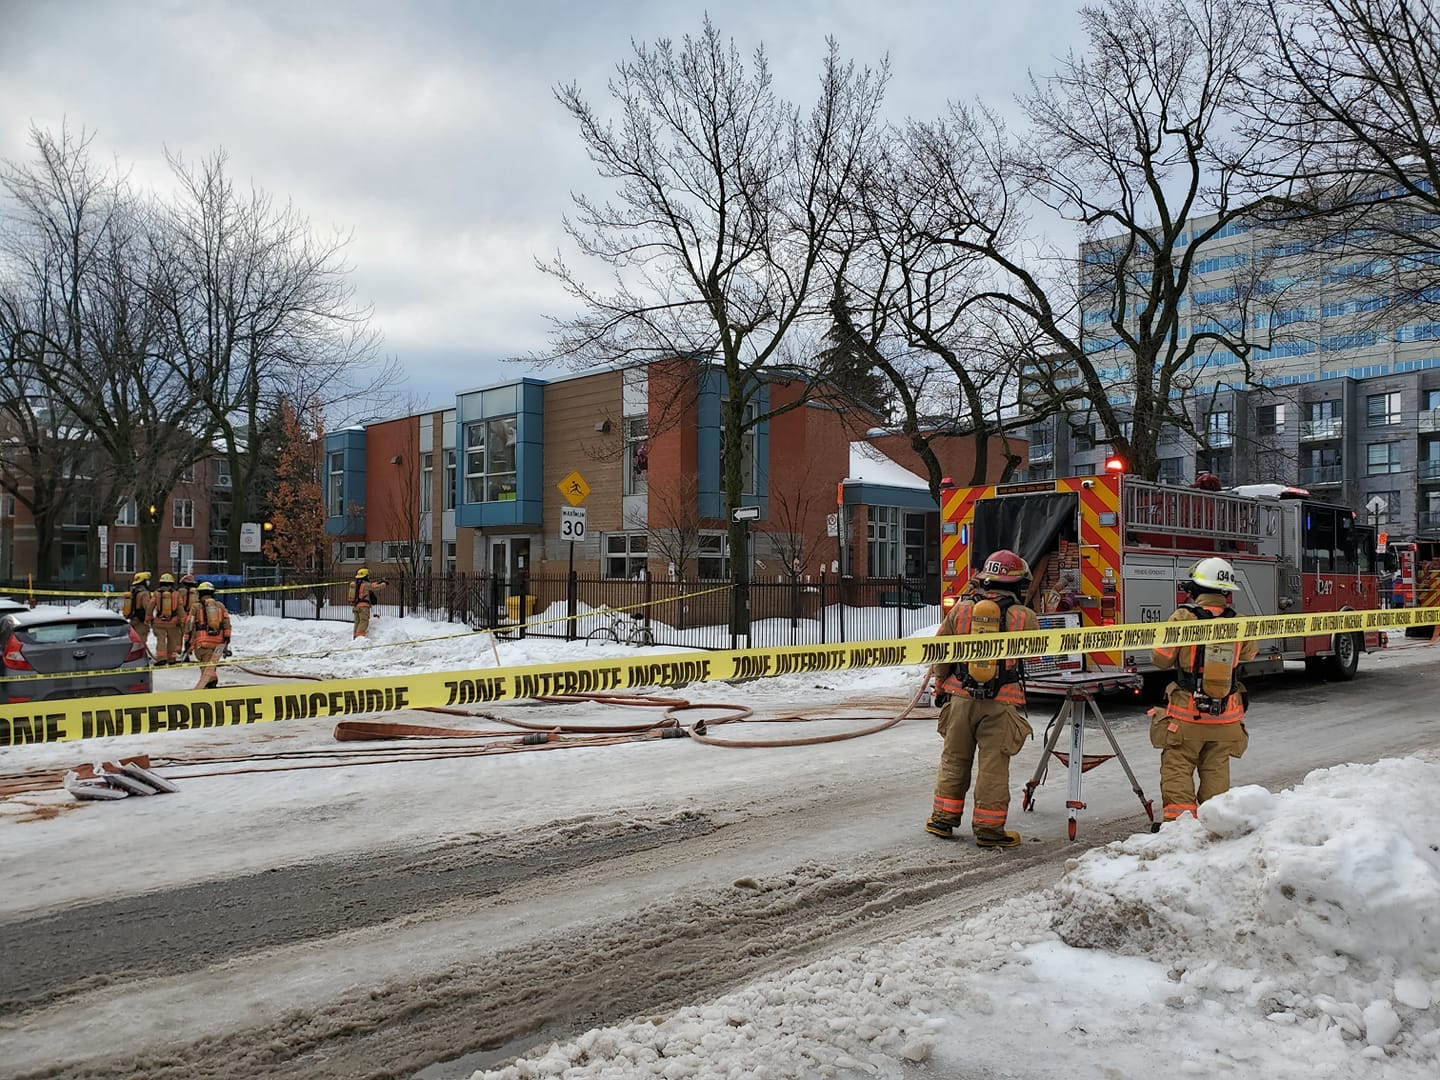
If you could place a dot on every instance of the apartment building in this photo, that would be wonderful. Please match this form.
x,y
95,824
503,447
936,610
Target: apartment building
x,y
639,449
1345,402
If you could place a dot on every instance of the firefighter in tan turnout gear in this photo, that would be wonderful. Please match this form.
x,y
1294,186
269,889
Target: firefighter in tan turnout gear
x,y
1202,725
980,707
210,635
136,606
167,619
364,594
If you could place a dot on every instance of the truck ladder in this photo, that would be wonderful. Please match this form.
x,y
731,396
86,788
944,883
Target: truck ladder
x,y
1178,511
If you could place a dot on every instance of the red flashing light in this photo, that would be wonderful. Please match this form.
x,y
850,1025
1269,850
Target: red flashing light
x,y
1115,464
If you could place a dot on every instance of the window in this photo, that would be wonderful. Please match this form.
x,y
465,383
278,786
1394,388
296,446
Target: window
x,y
1042,472
335,486
637,455
882,537
1383,507
747,450
352,552
126,514
1382,409
1383,457
1217,429
1172,470
187,475
449,503
626,554
182,513
450,556
427,482
1430,399
1270,421
124,562
1325,410
395,551
222,472
714,561
490,460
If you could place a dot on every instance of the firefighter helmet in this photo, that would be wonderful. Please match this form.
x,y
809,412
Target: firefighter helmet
x,y
1208,481
1212,575
1004,567
167,579
188,579
206,587
141,576
362,573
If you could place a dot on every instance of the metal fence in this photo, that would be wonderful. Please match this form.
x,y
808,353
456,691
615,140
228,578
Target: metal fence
x,y
686,614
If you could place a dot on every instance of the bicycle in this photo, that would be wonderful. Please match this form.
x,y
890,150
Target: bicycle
x,y
623,629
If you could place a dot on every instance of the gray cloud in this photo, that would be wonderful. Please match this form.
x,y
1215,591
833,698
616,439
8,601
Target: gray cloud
x,y
429,131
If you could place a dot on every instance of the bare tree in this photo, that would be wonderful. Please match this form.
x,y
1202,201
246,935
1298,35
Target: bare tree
x,y
672,524
258,307
797,530
727,198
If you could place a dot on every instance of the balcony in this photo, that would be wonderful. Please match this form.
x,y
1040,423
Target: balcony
x,y
1217,440
1430,521
1320,430
1321,475
1429,421
1041,453
1429,472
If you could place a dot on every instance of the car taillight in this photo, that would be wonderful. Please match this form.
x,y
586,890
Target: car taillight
x,y
137,648
15,657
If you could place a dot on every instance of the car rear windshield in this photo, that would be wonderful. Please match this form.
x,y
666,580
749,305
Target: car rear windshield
x,y
76,630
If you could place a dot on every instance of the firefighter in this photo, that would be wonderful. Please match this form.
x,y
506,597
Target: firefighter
x,y
211,635
1202,725
980,707
188,595
167,620
363,595
137,606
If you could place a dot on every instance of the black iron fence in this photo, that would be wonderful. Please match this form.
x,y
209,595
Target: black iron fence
x,y
698,615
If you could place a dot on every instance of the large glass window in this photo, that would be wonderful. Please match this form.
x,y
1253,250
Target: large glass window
x,y
124,562
126,514
1382,409
637,455
335,485
182,514
450,478
1382,458
490,460
1270,421
626,554
1217,429
882,541
714,561
427,482
747,451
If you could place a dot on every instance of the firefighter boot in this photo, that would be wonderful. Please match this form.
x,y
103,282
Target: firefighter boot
x,y
1009,839
941,829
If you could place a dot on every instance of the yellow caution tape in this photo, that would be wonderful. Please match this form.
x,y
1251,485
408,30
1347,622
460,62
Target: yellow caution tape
x,y
71,719
120,593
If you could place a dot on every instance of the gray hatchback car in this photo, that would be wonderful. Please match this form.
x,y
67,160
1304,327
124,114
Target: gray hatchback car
x,y
93,651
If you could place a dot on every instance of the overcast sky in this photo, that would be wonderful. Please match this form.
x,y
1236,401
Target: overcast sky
x,y
429,129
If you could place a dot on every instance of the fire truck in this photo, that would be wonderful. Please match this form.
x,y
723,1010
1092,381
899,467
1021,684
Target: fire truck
x,y
1116,549
1417,578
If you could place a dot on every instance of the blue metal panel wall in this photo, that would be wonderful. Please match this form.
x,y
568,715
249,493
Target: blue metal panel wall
x,y
525,400
709,482
351,443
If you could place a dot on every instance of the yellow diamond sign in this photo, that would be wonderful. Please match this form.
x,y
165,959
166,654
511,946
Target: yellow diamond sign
x,y
574,488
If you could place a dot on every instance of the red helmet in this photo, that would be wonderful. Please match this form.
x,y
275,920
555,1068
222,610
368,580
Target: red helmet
x,y
1004,567
1208,481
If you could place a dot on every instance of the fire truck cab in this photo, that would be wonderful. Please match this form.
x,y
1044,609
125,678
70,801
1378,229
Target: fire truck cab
x,y
1416,582
1114,549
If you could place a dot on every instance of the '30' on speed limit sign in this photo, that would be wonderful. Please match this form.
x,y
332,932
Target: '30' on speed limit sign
x,y
572,523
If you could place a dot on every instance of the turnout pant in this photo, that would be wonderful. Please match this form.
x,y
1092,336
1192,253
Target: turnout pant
x,y
168,640
1195,748
362,619
992,732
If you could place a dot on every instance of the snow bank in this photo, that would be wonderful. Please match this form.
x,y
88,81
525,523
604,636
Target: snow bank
x,y
1291,935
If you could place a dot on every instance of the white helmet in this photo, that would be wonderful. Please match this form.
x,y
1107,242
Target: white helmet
x,y
1213,575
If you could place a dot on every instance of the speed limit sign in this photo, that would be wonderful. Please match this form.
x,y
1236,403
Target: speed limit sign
x,y
572,523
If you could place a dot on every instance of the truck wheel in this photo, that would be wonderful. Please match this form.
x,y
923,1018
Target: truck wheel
x,y
1345,661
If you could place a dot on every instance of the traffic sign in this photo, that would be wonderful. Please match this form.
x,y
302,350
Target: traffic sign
x,y
572,523
574,488
745,513
832,524
1381,541
249,536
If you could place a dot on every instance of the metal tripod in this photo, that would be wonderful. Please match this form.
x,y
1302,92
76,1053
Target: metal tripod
x,y
1081,688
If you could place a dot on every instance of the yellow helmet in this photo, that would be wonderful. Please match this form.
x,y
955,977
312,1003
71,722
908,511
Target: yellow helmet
x,y
362,573
205,586
141,576
167,579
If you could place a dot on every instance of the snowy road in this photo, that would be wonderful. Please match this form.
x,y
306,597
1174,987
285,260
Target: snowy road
x,y
433,918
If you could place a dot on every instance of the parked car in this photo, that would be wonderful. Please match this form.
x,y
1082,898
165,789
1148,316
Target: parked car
x,y
8,605
52,641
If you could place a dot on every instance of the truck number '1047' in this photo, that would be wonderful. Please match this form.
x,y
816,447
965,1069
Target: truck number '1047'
x,y
1324,588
